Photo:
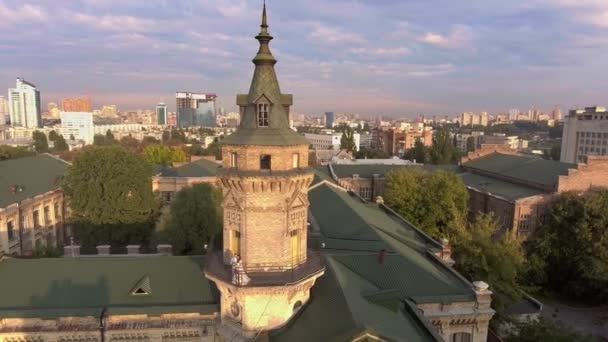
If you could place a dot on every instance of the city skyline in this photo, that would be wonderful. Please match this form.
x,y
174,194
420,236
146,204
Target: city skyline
x,y
381,57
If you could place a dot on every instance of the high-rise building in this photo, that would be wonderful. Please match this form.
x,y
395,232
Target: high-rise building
x,y
24,105
472,119
161,113
77,125
585,134
513,113
195,109
556,114
77,104
329,119
3,110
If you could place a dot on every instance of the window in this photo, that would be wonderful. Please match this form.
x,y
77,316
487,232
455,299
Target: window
x,y
47,215
295,160
461,337
57,211
364,193
233,160
36,218
265,162
166,196
262,115
524,223
10,229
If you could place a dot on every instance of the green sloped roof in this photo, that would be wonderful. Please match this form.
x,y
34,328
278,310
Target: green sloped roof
x,y
34,175
528,169
86,285
368,170
321,173
199,168
506,190
355,229
265,137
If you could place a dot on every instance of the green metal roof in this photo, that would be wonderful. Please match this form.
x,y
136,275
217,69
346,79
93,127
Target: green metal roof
x,y
199,168
321,173
340,310
87,285
352,229
33,175
537,171
496,187
265,137
368,170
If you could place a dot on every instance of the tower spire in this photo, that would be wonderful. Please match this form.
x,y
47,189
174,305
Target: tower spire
x,y
264,55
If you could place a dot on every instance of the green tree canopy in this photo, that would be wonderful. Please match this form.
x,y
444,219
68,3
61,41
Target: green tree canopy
x,y
368,153
442,151
569,252
347,142
500,262
109,135
163,155
436,202
41,145
196,218
545,330
109,185
59,143
420,153
214,149
10,152
470,144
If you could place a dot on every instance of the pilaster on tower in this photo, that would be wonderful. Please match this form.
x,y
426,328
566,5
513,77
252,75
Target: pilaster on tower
x,y
264,179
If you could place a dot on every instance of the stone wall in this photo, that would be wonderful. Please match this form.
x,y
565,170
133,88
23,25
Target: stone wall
x,y
248,156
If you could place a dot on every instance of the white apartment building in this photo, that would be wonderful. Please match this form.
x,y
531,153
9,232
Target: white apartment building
x,y
77,125
472,119
513,141
329,141
585,134
3,110
24,105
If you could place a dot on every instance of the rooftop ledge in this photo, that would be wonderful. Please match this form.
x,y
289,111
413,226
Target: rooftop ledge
x,y
260,275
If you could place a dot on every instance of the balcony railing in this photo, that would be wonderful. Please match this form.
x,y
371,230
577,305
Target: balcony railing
x,y
264,275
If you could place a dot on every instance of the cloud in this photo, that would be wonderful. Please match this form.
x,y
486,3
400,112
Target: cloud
x,y
459,36
115,22
23,13
325,34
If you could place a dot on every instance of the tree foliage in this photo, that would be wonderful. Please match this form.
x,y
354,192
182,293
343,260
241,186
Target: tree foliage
x,y
163,155
500,262
470,144
59,143
347,141
419,153
109,135
545,330
109,185
196,218
443,150
368,153
436,202
569,252
10,152
41,145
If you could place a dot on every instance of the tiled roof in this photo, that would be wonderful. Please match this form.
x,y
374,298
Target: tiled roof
x,y
30,176
86,285
497,187
531,170
199,168
265,137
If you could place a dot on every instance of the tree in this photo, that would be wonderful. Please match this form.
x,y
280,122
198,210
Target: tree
x,y
10,152
196,218
420,152
109,185
130,144
347,142
470,144
214,149
166,136
569,252
545,330
41,145
435,202
72,137
442,150
479,256
368,153
59,143
109,135
556,151
163,155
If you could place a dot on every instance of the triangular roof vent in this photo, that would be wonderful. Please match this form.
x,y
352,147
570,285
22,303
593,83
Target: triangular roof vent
x,y
142,287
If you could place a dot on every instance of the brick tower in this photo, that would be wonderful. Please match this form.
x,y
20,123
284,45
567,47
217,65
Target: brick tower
x,y
264,179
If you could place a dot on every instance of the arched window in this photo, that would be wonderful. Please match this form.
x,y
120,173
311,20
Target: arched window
x,y
262,113
462,337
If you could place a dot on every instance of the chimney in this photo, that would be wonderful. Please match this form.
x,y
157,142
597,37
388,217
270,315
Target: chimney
x,y
166,250
103,250
381,256
379,200
133,249
71,251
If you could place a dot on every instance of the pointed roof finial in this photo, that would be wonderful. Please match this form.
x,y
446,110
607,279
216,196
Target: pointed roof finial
x,y
264,21
264,54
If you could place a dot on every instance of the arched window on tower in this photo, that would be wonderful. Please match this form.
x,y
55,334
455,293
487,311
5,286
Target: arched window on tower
x,y
462,337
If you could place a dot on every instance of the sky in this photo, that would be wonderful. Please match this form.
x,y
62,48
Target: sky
x,y
371,57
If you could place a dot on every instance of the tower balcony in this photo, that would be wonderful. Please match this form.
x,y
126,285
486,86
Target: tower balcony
x,y
263,275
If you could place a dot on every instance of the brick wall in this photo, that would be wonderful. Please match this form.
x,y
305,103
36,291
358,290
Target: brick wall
x,y
593,173
248,157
